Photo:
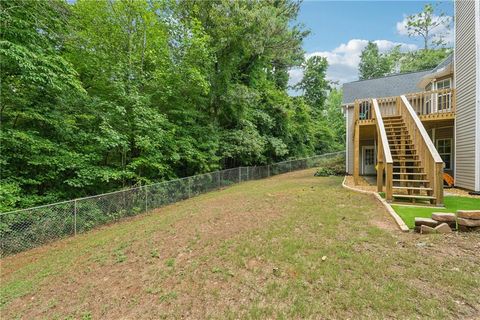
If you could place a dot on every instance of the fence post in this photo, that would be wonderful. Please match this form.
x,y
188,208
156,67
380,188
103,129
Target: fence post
x,y
189,188
75,216
239,174
268,170
146,198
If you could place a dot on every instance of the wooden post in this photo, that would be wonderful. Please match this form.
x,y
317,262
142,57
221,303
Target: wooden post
x,y
439,184
356,155
380,165
388,182
397,104
356,143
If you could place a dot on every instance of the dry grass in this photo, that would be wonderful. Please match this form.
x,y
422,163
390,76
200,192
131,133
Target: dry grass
x,y
254,250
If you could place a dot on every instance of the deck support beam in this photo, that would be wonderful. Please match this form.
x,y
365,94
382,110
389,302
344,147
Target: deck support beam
x,y
356,144
380,165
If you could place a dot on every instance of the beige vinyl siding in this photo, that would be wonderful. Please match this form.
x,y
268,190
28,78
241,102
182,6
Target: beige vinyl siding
x,y
349,137
465,76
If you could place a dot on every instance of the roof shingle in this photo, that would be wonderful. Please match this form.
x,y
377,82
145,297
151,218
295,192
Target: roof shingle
x,y
392,85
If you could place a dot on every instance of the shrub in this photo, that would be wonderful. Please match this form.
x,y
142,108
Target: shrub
x,y
334,167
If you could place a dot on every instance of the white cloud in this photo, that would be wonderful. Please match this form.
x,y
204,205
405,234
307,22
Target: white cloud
x,y
442,29
343,61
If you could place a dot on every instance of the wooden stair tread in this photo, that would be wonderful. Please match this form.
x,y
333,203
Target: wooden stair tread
x,y
392,117
410,173
407,167
411,196
413,188
401,144
395,157
407,180
396,150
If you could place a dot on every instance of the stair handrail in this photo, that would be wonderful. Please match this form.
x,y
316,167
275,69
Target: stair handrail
x,y
385,160
426,150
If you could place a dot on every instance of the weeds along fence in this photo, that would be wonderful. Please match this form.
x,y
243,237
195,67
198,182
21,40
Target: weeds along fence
x,y
27,228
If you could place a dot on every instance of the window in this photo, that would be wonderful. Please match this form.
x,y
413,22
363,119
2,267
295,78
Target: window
x,y
443,84
444,99
444,148
369,157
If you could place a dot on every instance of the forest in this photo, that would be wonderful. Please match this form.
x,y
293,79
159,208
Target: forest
x,y
103,95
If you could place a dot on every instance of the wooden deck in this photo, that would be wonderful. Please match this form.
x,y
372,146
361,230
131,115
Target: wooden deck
x,y
406,157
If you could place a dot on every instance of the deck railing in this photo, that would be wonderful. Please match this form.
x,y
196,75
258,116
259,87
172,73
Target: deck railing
x,y
384,156
423,103
429,157
436,101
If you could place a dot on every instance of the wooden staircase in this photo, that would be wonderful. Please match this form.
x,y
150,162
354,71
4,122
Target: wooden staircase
x,y
408,176
407,160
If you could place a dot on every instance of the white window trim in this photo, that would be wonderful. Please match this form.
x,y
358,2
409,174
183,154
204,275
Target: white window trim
x,y
451,151
443,80
434,96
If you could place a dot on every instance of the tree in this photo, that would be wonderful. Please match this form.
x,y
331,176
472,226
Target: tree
x,y
320,108
430,27
102,95
42,140
335,118
373,64
423,59
314,84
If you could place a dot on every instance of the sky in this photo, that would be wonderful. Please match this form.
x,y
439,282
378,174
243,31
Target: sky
x,y
341,29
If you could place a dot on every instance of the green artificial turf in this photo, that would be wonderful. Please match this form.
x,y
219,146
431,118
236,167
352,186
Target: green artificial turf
x,y
452,204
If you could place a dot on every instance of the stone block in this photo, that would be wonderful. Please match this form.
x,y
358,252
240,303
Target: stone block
x,y
426,221
443,217
469,214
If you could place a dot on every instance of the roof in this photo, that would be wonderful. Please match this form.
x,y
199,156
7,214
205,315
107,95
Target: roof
x,y
448,60
392,85
443,69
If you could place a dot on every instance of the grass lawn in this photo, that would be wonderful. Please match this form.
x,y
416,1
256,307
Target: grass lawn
x,y
292,246
452,204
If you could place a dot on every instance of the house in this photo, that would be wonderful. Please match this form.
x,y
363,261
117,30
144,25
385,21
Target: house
x,y
409,129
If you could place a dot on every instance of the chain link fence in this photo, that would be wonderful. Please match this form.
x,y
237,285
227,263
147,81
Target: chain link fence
x,y
28,228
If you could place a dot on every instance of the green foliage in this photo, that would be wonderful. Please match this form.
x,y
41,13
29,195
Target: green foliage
x,y
373,64
333,167
335,119
103,95
314,84
396,61
432,28
423,59
323,125
426,25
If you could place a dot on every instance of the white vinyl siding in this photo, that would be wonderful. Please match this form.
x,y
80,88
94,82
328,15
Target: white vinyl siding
x,y
466,65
